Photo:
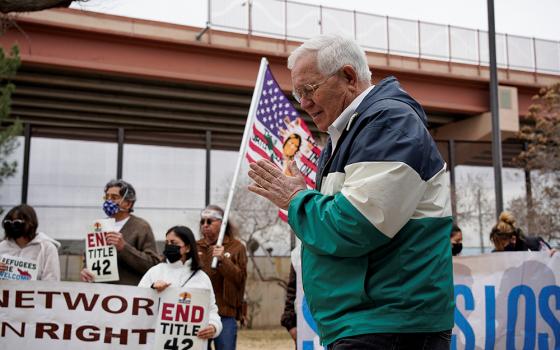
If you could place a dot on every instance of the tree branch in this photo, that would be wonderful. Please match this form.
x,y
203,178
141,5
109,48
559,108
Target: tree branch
x,y
7,6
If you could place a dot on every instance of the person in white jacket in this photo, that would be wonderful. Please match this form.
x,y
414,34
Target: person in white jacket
x,y
23,241
182,269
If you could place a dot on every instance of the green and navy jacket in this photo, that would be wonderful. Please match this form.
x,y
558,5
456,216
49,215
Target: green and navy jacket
x,y
376,256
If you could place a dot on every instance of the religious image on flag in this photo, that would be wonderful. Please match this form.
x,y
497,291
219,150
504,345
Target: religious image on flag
x,y
279,134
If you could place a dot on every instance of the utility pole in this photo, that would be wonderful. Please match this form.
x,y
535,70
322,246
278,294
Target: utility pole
x,y
495,111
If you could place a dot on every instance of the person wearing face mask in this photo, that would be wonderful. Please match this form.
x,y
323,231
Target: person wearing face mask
x,y
182,269
133,236
228,279
456,240
506,236
22,240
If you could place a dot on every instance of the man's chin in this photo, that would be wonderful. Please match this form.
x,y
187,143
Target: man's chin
x,y
211,240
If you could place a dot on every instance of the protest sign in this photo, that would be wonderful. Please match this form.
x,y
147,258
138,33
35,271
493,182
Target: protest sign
x,y
503,301
182,314
74,315
18,269
101,257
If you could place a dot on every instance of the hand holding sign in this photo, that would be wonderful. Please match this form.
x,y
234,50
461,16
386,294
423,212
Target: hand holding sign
x,y
207,332
86,276
116,239
160,285
3,267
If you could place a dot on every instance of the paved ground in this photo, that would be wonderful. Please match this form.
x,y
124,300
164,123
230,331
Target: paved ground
x,y
267,339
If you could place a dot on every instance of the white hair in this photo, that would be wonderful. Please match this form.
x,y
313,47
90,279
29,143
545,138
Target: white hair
x,y
333,52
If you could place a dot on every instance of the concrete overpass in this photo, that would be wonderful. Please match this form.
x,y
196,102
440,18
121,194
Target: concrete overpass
x,y
85,75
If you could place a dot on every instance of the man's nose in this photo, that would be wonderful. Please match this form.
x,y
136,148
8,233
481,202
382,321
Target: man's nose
x,y
306,103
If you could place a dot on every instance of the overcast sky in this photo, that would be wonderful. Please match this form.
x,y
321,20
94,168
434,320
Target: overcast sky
x,y
536,18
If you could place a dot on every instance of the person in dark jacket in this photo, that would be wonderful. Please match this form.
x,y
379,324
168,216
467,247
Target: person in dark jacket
x,y
507,237
133,236
229,278
456,239
289,316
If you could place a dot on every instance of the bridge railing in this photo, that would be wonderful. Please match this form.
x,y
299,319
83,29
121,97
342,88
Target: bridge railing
x,y
291,20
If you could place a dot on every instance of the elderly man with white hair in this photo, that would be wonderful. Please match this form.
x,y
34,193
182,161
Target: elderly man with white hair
x,y
375,253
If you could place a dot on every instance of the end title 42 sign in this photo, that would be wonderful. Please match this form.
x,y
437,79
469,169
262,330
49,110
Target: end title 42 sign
x,y
101,257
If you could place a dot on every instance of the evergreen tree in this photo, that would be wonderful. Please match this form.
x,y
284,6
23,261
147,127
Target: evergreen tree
x,y
9,127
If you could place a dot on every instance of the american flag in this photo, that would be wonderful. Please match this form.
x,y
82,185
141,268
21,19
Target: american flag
x,y
279,133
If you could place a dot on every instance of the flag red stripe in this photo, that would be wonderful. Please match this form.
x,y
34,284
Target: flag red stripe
x,y
258,150
309,182
249,158
283,216
309,163
316,150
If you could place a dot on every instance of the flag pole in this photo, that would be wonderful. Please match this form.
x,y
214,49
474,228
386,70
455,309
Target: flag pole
x,y
252,112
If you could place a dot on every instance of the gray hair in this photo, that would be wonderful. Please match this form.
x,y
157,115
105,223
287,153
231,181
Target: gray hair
x,y
333,52
125,190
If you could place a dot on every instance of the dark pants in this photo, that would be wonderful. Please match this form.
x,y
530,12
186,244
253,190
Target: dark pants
x,y
228,338
395,341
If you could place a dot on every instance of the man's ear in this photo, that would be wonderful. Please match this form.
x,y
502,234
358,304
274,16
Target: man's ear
x,y
126,205
350,75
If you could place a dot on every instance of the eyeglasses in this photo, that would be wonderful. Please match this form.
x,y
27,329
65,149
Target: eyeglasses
x,y
207,221
112,197
308,90
115,196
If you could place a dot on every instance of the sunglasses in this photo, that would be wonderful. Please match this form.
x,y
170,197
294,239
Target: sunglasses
x,y
13,223
207,221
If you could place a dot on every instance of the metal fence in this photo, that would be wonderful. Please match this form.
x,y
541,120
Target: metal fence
x,y
292,20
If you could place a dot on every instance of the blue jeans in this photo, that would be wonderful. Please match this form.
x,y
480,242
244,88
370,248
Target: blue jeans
x,y
228,338
395,341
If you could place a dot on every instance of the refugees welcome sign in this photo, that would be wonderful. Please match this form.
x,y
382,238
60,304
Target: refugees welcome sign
x,y
66,315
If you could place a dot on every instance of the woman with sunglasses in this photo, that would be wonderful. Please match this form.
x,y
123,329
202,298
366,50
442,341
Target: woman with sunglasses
x,y
23,241
181,268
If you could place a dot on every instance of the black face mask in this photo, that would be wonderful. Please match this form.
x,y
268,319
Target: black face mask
x,y
172,252
14,228
456,248
509,248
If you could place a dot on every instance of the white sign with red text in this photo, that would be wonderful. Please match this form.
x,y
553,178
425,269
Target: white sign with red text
x,y
75,315
101,257
18,269
97,316
182,314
